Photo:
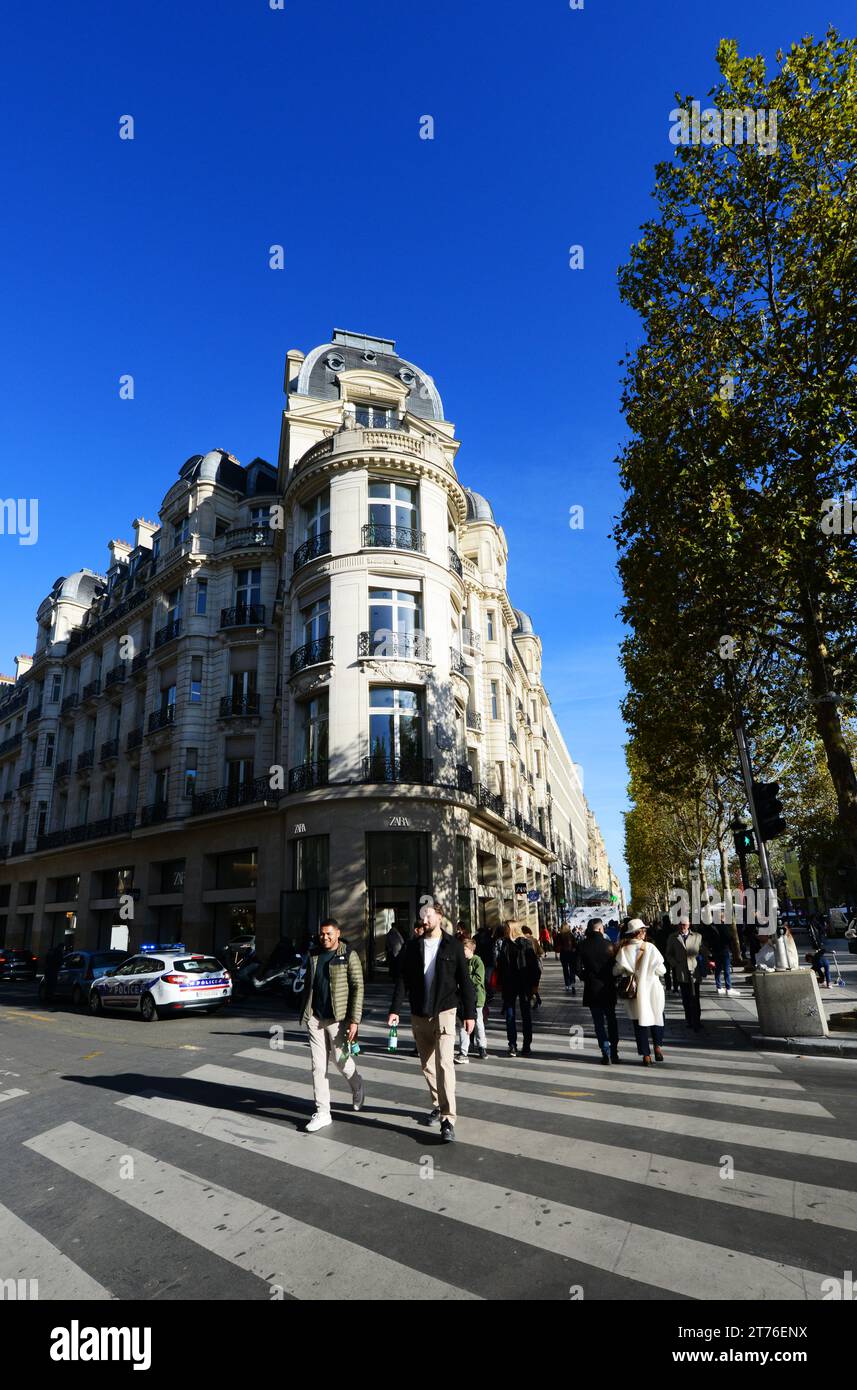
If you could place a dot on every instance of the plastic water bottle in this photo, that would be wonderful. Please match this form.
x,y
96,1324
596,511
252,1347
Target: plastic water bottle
x,y
393,1038
355,1048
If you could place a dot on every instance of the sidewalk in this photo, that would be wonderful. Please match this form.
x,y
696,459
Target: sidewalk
x,y
842,1042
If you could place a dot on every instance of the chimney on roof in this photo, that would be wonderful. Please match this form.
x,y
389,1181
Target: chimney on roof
x,y
22,666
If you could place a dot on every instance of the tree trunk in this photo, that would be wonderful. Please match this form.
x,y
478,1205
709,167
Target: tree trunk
x,y
829,726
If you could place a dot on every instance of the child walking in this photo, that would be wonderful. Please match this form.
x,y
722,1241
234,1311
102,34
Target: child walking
x,y
476,966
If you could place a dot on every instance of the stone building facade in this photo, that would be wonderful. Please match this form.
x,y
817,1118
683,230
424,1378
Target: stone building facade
x,y
302,690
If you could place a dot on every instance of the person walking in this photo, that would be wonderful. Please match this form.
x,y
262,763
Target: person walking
x,y
720,941
436,979
331,1012
683,954
567,954
595,962
535,997
476,969
640,963
517,973
394,944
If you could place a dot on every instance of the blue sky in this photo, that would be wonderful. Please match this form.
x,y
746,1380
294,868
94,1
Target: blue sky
x,y
300,127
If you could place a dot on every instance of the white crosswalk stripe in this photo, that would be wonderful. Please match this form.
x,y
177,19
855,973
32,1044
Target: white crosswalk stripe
x,y
26,1255
302,1260
13,1093
647,1254
594,1080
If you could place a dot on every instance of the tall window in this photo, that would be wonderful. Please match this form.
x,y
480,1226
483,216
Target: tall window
x,y
315,620
56,687
191,761
174,605
107,794
395,727
314,726
196,680
394,614
50,745
242,686
316,515
392,506
239,773
201,597
495,700
489,618
248,587
168,700
161,786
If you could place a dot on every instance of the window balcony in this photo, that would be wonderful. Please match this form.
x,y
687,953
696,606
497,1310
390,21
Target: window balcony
x,y
85,759
26,777
167,633
311,550
471,639
239,706
378,768
17,847
115,676
490,800
33,715
474,721
90,691
10,744
243,615
63,769
400,646
70,703
96,830
509,661
464,777
110,749
456,661
224,798
311,654
162,719
393,537
244,537
455,563
513,735
308,775
156,813
139,662
134,739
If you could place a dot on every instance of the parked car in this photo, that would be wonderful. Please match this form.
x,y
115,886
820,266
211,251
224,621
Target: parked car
x,y
162,980
78,970
17,963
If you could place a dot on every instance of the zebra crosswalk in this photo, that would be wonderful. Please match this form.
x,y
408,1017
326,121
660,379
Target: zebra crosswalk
x,y
717,1177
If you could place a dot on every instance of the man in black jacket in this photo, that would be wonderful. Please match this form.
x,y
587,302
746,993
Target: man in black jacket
x,y
596,959
435,977
518,973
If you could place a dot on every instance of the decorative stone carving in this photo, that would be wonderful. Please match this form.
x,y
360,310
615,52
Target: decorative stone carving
x,y
397,672
312,681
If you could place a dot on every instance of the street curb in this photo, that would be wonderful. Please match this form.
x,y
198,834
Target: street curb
x,y
808,1047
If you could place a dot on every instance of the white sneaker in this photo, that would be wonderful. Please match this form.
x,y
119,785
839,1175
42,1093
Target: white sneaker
x,y
358,1095
318,1122
721,991
462,1060
734,993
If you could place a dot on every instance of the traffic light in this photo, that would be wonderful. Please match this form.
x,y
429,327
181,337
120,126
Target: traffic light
x,y
768,807
744,840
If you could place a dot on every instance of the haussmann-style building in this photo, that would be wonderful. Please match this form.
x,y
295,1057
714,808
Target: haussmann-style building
x,y
302,690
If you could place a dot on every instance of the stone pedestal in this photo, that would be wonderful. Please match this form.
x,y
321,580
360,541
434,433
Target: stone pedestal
x,y
789,1004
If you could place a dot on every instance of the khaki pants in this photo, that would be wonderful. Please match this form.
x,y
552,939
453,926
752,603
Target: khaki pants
x,y
435,1040
326,1036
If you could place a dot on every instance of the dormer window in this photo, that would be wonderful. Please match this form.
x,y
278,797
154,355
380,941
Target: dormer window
x,y
375,417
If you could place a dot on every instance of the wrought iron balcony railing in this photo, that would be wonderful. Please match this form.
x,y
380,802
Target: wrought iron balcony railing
x,y
379,768
69,703
243,615
394,537
167,633
17,847
26,777
308,775
311,654
456,661
472,639
239,706
156,813
455,562
33,715
115,676
95,830
513,735
396,645
474,721
90,691
311,550
63,769
134,739
110,749
162,718
224,798
464,777
243,536
139,662
509,661
9,744
490,800
85,759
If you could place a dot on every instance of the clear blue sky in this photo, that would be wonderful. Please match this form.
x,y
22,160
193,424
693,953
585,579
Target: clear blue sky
x,y
301,127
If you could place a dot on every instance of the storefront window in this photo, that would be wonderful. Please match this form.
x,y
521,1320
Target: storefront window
x,y
237,869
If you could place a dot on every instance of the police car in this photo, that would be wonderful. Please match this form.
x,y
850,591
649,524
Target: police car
x,y
160,980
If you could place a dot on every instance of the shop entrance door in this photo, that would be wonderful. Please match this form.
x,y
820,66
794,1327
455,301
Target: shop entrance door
x,y
390,907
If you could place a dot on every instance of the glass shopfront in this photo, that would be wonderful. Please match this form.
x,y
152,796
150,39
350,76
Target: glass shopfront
x,y
304,907
398,875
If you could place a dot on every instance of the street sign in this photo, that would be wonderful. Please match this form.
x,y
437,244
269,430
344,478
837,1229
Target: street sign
x,y
533,895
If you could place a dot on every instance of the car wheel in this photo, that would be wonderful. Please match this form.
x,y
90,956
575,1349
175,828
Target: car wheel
x,y
76,997
95,1004
148,1009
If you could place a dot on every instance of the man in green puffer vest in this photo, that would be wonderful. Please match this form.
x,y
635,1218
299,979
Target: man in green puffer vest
x,y
331,1010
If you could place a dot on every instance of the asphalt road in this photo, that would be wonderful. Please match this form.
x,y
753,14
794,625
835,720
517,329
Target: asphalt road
x,y
166,1161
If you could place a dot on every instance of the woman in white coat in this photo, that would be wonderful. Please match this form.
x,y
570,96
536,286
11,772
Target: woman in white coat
x,y
641,960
